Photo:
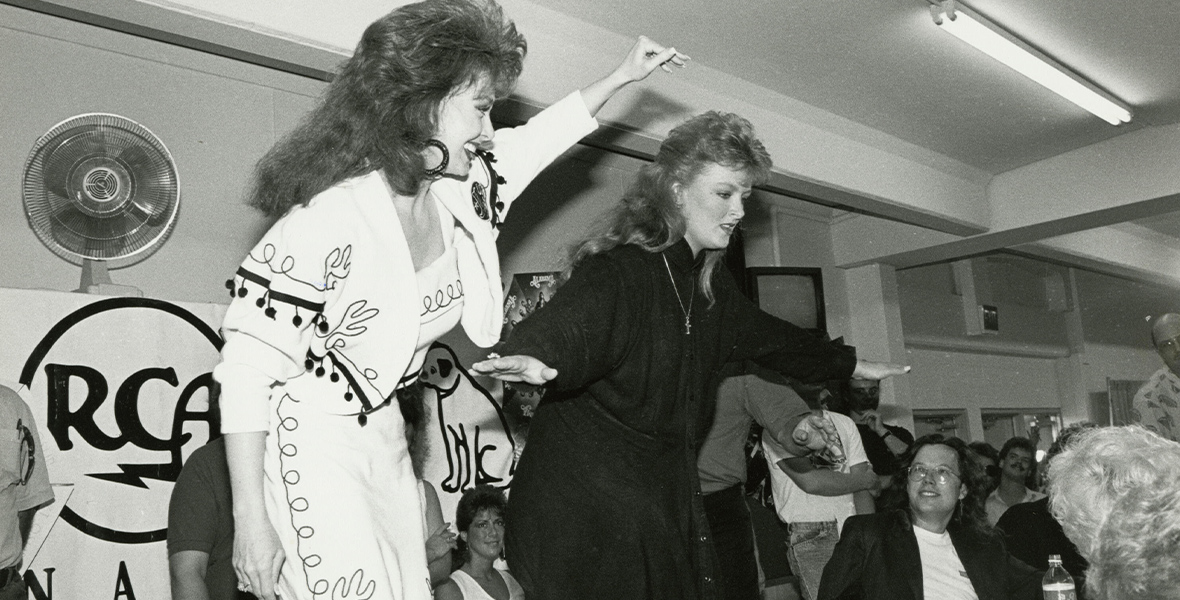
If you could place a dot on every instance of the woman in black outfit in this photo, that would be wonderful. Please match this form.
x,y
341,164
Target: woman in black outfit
x,y
605,502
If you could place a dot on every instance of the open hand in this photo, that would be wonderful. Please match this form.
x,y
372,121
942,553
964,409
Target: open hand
x,y
516,369
872,420
878,370
440,542
818,434
645,56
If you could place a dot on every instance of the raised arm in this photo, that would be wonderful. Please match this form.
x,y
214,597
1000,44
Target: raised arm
x,y
441,540
643,58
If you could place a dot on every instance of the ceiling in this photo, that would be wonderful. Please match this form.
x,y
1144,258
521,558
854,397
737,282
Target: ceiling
x,y
884,64
871,107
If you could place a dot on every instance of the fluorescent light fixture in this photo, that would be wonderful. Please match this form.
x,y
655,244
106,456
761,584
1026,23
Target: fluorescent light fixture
x,y
985,36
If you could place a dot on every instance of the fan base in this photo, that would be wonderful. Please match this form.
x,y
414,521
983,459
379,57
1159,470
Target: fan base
x,y
110,289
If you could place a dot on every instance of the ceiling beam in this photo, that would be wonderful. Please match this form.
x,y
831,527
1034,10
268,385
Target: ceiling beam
x,y
194,32
1029,234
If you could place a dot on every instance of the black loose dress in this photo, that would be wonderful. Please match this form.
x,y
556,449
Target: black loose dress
x,y
605,503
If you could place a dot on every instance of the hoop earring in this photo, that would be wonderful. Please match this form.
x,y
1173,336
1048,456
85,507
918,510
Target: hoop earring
x,y
446,159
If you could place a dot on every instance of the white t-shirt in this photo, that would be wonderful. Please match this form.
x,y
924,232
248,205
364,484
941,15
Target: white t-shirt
x,y
794,505
943,575
996,507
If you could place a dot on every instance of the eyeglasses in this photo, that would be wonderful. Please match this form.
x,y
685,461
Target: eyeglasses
x,y
941,474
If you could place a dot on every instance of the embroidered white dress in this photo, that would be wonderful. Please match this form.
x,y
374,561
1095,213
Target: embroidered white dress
x,y
325,324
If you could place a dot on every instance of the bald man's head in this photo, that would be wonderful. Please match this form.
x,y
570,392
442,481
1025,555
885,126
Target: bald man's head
x,y
1165,334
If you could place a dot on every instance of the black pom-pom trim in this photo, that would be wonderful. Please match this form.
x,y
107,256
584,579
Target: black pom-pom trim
x,y
229,284
323,326
335,377
348,396
297,320
319,372
260,302
309,363
242,292
271,312
363,419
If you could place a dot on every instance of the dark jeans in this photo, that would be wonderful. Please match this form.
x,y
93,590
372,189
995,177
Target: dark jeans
x,y
733,538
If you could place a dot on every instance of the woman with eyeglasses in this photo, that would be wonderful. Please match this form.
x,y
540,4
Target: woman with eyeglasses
x,y
933,541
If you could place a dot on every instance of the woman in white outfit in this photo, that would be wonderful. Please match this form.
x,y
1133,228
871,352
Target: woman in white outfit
x,y
389,196
480,519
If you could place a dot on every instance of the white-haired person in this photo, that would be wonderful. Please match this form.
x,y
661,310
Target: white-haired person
x,y
1116,492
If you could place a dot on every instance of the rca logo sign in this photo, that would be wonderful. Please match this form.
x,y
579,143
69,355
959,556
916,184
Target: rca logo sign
x,y
125,385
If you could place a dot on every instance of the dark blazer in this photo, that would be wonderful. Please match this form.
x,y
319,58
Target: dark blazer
x,y
877,559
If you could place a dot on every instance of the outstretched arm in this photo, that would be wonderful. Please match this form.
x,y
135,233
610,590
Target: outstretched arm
x,y
516,369
643,58
878,370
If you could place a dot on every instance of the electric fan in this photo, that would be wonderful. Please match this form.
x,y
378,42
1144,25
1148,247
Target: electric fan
x,y
101,191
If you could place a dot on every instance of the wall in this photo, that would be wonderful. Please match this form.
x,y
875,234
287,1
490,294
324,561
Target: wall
x,y
1056,347
215,116
944,379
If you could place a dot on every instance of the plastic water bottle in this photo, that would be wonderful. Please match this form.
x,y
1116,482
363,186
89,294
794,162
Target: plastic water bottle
x,y
1057,584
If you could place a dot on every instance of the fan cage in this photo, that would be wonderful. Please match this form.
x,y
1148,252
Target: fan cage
x,y
101,187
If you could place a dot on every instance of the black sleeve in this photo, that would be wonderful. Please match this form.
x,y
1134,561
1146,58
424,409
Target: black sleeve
x,y
841,577
1024,582
585,329
1019,534
782,346
902,434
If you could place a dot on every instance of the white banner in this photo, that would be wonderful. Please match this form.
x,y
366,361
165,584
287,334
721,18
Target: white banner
x,y
119,389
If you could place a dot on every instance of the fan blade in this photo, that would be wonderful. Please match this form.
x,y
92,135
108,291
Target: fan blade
x,y
99,186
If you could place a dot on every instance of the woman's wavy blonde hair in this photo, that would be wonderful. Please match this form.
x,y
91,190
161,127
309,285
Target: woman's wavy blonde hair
x,y
648,214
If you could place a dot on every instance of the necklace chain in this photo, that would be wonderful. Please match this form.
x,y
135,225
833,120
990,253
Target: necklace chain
x,y
687,313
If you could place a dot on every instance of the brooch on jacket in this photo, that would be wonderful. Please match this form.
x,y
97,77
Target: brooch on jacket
x,y
487,200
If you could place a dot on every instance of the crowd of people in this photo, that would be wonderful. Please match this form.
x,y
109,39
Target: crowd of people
x,y
632,484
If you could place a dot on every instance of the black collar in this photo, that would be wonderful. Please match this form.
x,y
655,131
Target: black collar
x,y
681,259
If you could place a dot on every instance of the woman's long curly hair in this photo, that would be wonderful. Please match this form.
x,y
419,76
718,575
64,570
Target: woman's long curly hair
x,y
649,216
383,107
970,515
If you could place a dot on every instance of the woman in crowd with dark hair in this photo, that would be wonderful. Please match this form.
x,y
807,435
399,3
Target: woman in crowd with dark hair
x,y
389,200
480,520
932,541
605,501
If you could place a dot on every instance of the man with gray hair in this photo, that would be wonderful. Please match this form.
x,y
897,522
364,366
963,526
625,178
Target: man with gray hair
x,y
1157,403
